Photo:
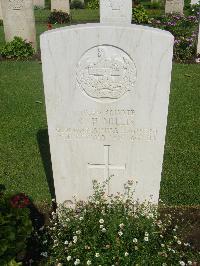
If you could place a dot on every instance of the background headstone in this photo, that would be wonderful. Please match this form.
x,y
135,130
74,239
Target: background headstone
x,y
106,92
174,6
60,5
19,20
116,11
198,44
194,2
39,3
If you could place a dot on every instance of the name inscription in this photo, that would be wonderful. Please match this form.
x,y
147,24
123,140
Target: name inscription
x,y
108,125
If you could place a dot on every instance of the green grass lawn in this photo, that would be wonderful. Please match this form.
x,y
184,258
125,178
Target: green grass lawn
x,y
23,141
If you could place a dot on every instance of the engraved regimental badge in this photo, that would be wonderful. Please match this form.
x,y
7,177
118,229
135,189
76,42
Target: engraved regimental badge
x,y
105,73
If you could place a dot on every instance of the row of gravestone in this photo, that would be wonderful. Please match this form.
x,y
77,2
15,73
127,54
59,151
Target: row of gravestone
x,y
18,15
171,5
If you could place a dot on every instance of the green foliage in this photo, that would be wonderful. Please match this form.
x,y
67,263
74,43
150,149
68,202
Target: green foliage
x,y
113,230
59,17
140,15
194,10
13,263
93,4
15,227
187,4
77,4
17,49
155,5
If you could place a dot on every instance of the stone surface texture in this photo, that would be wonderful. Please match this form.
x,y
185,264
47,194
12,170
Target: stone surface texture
x,y
60,5
116,11
174,6
198,44
39,3
106,91
19,20
1,16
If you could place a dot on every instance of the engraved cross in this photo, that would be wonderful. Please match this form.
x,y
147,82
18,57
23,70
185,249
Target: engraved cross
x,y
106,166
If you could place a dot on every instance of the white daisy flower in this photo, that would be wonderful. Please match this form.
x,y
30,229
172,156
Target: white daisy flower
x,y
75,238
121,226
97,255
77,262
69,258
146,238
120,233
182,263
66,242
126,254
103,230
101,221
135,240
44,254
89,262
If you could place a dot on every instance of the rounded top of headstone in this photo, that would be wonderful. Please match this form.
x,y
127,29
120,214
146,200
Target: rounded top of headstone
x,y
97,26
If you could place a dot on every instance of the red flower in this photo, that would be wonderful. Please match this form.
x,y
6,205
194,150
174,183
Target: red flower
x,y
19,201
49,26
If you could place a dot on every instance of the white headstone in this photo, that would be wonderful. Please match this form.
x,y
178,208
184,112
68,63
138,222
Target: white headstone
x,y
19,20
194,2
106,92
116,11
198,44
39,3
174,6
60,5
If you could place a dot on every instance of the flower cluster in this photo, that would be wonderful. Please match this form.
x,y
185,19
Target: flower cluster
x,y
185,31
19,201
113,230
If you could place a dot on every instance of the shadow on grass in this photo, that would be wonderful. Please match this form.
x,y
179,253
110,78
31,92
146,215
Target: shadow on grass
x,y
43,143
